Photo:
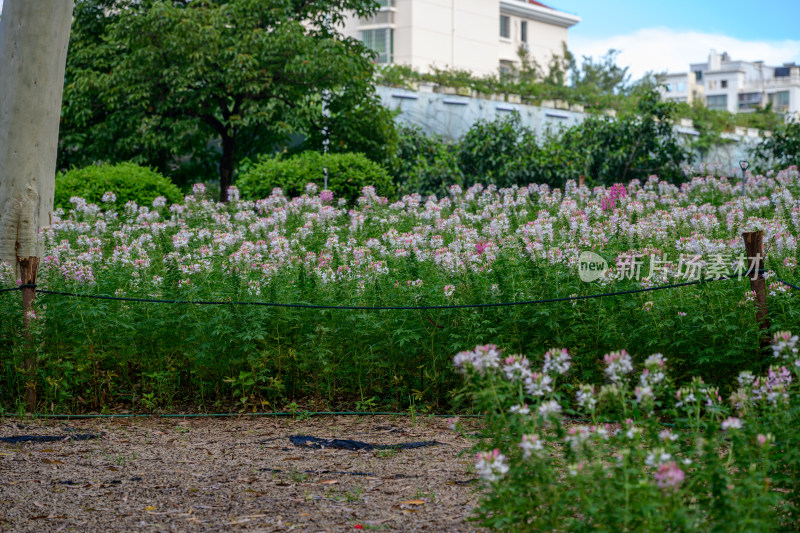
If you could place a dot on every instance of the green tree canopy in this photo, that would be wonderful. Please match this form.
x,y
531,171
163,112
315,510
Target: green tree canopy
x,y
780,150
201,83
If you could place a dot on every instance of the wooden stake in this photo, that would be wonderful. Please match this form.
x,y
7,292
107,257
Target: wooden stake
x,y
754,245
29,269
581,180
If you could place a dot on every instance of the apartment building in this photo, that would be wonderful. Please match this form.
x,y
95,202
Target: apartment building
x,y
737,86
481,36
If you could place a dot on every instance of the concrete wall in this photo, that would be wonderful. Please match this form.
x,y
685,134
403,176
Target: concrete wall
x,y
452,115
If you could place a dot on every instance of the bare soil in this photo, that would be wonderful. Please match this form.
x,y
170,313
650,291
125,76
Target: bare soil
x,y
231,474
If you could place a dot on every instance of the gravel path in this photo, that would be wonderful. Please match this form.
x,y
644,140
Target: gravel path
x,y
155,474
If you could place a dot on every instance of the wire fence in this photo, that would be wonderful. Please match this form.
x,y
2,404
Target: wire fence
x,y
379,307
368,308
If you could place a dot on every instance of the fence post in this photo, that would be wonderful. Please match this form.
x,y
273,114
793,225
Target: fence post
x,y
29,269
754,245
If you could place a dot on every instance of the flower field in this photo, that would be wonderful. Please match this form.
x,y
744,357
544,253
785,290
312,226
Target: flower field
x,y
645,454
480,245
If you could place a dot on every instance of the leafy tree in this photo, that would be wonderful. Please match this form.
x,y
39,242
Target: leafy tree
x,y
425,164
709,123
633,145
780,150
603,76
202,83
497,152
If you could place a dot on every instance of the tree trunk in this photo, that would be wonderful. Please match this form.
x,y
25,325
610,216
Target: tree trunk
x,y
226,166
33,50
34,36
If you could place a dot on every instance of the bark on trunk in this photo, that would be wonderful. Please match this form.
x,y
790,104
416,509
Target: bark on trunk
x,y
33,51
226,166
34,36
29,269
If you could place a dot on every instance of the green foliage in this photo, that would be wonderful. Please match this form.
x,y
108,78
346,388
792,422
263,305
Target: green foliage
x,y
597,84
185,86
684,458
605,150
347,175
497,152
781,149
128,181
709,123
424,164
634,145
603,76
481,245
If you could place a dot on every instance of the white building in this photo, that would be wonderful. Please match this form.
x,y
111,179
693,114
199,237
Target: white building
x,y
476,35
737,86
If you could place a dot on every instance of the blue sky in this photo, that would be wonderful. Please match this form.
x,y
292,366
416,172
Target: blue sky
x,y
662,35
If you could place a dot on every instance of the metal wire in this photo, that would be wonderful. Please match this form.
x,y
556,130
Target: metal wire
x,y
378,308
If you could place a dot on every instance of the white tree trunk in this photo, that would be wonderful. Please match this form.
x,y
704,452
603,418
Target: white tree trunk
x,y
34,35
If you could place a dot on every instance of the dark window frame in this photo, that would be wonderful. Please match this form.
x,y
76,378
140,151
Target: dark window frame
x,y
505,27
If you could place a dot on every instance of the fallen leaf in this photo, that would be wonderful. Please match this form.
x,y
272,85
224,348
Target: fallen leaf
x,y
112,468
329,482
150,508
413,502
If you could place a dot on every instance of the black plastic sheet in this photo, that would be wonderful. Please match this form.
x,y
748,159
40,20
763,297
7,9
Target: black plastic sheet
x,y
47,438
304,441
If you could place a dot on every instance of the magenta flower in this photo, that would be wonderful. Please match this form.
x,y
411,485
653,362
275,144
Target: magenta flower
x,y
669,476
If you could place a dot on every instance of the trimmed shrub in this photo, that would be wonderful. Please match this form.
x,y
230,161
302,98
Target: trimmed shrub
x,y
128,182
348,173
425,164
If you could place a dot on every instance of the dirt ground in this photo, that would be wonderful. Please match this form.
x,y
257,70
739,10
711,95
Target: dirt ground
x,y
231,474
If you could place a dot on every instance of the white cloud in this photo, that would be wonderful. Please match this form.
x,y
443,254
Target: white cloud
x,y
663,49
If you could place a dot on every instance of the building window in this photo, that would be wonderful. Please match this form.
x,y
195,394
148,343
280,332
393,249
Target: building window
x,y
523,31
506,68
386,3
779,101
505,26
749,101
698,75
380,41
717,101
680,86
724,84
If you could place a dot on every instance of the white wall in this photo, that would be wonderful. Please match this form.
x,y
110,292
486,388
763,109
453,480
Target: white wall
x,y
544,41
464,34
